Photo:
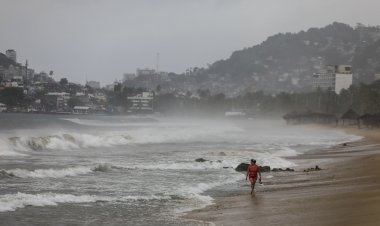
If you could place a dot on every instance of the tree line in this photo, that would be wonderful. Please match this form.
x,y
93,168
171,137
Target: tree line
x,y
364,98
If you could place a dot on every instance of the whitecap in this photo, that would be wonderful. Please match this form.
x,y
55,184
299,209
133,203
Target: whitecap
x,y
11,202
54,173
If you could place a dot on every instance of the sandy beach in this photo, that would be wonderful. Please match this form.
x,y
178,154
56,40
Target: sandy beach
x,y
345,192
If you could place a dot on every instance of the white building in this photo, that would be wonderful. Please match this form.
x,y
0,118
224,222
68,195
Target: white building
x,y
81,110
334,77
55,101
343,78
3,107
141,103
377,76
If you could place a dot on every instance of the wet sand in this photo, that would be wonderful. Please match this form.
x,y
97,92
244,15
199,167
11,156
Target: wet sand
x,y
345,192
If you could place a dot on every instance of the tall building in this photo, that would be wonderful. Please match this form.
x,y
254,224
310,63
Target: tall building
x,y
334,77
11,54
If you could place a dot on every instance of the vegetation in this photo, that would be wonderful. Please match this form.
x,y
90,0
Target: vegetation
x,y
364,98
5,61
74,101
13,97
286,61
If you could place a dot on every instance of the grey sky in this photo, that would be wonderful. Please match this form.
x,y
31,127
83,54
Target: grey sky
x,y
102,39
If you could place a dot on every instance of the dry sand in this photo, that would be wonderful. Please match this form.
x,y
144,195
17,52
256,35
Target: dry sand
x,y
345,192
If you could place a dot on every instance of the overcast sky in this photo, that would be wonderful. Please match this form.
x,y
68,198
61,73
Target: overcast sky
x,y
102,39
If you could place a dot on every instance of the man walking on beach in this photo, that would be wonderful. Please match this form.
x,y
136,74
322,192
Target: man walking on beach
x,y
252,172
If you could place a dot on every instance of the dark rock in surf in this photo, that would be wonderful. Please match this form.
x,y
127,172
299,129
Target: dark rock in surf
x,y
201,160
242,167
280,170
317,168
102,168
265,168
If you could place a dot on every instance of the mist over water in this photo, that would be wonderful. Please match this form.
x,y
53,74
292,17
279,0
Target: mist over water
x,y
133,170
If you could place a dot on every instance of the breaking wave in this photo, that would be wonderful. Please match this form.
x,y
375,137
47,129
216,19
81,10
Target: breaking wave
x,y
67,141
144,197
129,121
183,166
71,141
11,202
56,173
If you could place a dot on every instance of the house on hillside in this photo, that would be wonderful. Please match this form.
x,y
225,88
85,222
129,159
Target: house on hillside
x,y
81,110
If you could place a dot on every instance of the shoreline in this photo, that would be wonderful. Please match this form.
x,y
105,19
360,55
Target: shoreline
x,y
345,192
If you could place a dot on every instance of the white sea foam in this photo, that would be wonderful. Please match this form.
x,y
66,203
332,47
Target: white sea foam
x,y
144,197
11,202
275,159
54,173
196,196
183,165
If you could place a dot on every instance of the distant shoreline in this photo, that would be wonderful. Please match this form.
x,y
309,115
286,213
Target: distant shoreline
x,y
349,176
59,113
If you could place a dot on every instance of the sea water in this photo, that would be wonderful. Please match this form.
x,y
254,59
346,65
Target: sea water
x,y
124,170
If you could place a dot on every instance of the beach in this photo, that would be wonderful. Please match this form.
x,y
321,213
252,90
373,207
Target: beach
x,y
345,192
117,170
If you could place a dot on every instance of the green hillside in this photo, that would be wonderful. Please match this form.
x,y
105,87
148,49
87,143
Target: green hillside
x,y
286,62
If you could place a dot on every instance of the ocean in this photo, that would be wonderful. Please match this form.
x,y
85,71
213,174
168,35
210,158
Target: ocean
x,y
129,170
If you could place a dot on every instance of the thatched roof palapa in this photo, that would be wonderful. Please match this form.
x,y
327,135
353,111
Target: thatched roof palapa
x,y
308,117
350,114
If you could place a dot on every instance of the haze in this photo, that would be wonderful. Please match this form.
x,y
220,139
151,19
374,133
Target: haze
x,y
102,39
